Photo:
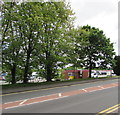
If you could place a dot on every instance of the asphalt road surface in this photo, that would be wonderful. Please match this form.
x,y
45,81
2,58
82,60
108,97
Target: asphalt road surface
x,y
92,97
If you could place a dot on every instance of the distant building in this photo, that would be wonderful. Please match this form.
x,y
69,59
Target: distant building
x,y
75,74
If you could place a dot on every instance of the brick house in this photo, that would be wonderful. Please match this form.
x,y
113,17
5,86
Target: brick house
x,y
75,74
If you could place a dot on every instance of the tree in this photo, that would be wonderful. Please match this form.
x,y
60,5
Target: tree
x,y
116,68
57,21
94,47
30,23
35,36
11,42
20,26
76,54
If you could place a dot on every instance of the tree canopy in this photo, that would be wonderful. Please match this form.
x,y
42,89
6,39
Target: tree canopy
x,y
94,48
34,36
41,36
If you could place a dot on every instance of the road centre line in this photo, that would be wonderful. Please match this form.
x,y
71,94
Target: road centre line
x,y
101,87
36,102
108,109
30,98
95,90
14,101
6,106
60,94
84,90
23,102
46,89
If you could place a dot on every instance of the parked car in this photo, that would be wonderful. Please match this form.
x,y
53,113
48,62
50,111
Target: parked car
x,y
94,75
2,77
31,78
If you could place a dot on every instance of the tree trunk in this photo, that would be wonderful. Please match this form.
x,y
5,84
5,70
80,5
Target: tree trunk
x,y
26,68
90,67
48,67
13,73
49,73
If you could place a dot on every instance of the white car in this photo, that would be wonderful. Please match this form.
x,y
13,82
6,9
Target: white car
x,y
94,75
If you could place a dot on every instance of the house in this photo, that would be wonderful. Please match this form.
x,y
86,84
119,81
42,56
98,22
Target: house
x,y
75,74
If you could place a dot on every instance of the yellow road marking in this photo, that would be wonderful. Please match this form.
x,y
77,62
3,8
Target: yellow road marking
x,y
18,92
113,108
109,108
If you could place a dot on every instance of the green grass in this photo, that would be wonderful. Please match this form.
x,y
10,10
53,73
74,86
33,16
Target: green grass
x,y
18,85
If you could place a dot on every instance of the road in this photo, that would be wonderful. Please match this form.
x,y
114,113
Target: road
x,y
92,97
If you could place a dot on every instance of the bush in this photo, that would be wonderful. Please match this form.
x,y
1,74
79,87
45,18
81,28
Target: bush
x,y
116,68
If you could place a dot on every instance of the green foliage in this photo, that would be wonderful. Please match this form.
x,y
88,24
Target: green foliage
x,y
59,76
116,67
35,37
93,47
55,26
11,41
70,68
41,36
8,78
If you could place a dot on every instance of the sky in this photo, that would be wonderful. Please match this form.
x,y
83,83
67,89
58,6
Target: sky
x,y
102,14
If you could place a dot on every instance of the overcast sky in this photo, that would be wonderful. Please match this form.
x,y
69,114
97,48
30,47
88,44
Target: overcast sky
x,y
102,14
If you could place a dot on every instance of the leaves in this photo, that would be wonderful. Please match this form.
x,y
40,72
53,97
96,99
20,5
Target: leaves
x,y
92,46
35,36
41,36
116,66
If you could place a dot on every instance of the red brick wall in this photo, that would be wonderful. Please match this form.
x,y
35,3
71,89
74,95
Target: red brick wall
x,y
85,74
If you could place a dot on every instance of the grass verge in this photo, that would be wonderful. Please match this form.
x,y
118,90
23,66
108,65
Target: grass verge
x,y
19,85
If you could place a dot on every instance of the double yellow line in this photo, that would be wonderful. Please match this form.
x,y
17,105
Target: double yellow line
x,y
109,110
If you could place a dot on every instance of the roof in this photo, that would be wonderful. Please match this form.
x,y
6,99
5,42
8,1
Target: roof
x,y
66,71
85,70
104,70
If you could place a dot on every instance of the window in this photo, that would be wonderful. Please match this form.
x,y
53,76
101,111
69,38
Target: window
x,y
103,73
70,74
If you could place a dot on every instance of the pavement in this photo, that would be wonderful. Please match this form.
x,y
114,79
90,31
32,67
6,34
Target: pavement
x,y
21,89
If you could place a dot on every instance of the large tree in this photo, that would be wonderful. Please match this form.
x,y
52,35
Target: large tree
x,y
20,26
57,21
11,41
94,48
35,36
30,24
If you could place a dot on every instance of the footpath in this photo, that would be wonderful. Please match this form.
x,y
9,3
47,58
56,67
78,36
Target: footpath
x,y
22,89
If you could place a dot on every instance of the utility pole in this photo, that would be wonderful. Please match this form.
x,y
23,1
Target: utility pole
x,y
119,28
